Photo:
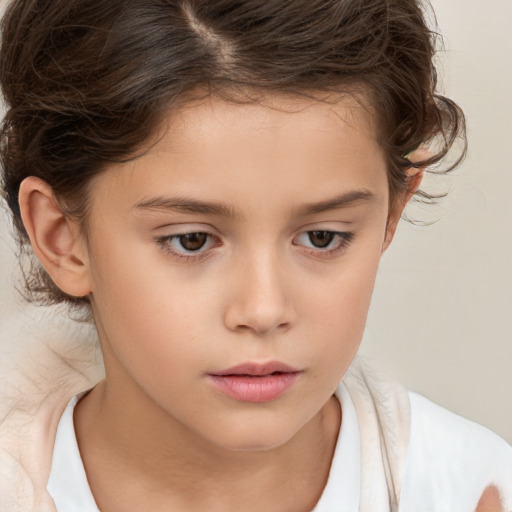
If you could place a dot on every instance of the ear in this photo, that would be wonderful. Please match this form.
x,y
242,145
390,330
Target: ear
x,y
414,177
56,240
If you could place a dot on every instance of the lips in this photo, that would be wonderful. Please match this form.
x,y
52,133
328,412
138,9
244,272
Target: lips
x,y
257,369
255,382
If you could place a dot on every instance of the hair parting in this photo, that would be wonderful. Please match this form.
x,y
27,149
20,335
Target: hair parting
x,y
88,82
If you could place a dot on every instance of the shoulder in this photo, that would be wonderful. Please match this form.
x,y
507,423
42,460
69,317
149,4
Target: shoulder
x,y
452,460
444,435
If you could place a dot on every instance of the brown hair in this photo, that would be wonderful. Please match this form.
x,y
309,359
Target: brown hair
x,y
87,81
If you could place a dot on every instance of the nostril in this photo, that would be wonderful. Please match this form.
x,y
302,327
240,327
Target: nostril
x,y
261,316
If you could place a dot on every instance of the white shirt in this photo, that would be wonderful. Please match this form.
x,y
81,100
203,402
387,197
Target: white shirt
x,y
450,461
68,484
70,490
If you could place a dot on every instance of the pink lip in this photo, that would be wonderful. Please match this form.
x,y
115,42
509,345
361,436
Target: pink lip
x,y
255,382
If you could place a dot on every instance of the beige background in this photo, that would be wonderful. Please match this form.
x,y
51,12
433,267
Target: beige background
x,y
441,318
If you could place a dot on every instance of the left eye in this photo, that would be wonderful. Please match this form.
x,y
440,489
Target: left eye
x,y
192,241
324,241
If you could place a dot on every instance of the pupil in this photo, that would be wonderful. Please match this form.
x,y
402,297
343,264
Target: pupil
x,y
193,241
321,239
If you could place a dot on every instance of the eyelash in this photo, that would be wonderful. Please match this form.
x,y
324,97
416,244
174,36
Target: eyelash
x,y
165,243
344,238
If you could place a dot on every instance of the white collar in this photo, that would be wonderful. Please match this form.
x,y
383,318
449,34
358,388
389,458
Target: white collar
x,y
342,492
70,489
68,485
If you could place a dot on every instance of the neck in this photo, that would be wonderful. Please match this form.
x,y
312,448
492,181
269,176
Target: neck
x,y
135,445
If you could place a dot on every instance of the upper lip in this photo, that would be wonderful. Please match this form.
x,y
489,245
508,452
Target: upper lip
x,y
257,369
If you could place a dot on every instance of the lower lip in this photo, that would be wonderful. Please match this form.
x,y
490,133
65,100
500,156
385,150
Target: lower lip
x,y
255,389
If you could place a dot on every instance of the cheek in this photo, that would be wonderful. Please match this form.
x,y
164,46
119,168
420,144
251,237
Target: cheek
x,y
338,310
345,291
159,317
145,313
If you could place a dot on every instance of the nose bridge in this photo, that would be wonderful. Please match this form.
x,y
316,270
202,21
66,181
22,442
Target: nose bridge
x,y
261,302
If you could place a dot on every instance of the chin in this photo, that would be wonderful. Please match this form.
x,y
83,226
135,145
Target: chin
x,y
257,438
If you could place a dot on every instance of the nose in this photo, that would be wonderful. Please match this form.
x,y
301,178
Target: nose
x,y
261,302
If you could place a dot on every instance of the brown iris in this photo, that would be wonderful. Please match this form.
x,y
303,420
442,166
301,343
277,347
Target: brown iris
x,y
193,241
321,239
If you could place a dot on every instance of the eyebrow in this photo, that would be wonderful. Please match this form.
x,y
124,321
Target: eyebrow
x,y
340,201
187,205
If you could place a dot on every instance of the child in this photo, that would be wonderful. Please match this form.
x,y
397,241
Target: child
x,y
214,182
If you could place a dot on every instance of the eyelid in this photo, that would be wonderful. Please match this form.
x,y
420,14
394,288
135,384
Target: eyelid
x,y
184,228
164,241
345,239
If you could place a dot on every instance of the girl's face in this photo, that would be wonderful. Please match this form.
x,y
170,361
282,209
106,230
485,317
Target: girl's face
x,y
248,235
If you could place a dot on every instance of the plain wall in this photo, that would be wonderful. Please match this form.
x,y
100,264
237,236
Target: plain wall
x,y
441,318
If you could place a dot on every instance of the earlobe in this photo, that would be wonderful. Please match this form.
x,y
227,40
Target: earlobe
x,y
56,240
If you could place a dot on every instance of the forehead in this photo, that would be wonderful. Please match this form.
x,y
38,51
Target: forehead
x,y
281,148
325,117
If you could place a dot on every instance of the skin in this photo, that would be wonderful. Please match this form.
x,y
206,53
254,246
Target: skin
x,y
490,501
258,291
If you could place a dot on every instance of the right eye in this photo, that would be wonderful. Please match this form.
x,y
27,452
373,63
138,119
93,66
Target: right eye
x,y
188,245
